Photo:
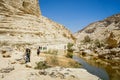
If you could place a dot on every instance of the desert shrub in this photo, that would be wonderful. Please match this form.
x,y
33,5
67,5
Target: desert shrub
x,y
69,50
69,45
98,43
74,64
44,48
87,39
69,54
41,65
64,35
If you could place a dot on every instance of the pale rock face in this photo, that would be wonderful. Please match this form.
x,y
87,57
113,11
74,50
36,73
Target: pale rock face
x,y
20,7
21,23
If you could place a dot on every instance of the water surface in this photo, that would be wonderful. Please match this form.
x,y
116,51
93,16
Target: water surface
x,y
98,71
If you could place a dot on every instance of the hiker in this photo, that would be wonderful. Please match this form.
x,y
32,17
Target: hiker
x,y
27,55
38,51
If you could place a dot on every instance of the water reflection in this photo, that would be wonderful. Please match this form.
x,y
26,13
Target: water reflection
x,y
92,69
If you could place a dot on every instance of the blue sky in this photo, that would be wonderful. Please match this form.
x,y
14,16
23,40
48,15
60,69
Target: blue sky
x,y
76,14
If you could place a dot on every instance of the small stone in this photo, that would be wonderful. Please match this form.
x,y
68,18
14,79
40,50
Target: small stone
x,y
52,74
73,76
60,75
28,65
42,72
22,61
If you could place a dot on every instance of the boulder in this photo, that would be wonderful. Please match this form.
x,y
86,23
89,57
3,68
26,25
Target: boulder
x,y
28,65
111,41
87,52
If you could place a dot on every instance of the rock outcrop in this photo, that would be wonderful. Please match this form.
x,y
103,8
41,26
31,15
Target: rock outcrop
x,y
102,35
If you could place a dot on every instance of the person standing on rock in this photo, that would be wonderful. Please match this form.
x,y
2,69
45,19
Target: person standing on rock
x,y
38,51
27,55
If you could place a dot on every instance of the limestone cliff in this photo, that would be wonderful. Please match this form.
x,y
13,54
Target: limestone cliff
x,y
21,23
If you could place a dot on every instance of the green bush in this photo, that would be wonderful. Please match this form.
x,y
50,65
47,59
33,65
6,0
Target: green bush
x,y
99,44
64,35
69,54
74,65
41,65
69,50
70,45
87,39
